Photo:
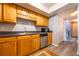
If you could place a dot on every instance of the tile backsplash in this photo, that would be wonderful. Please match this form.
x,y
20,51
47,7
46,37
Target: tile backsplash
x,y
21,25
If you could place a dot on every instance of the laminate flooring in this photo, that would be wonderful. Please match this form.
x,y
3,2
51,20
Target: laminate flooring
x,y
65,48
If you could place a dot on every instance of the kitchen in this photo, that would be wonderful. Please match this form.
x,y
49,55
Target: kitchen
x,y
18,33
24,29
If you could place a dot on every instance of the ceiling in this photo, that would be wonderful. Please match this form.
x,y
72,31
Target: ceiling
x,y
50,9
48,5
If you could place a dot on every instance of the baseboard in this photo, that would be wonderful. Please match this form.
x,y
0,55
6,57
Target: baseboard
x,y
77,52
55,45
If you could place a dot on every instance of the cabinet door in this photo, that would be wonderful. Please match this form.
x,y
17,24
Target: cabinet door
x,y
19,10
9,13
74,31
32,16
46,21
49,38
35,43
0,12
24,45
22,12
8,49
39,20
42,20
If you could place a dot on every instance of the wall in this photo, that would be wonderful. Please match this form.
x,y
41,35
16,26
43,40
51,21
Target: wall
x,y
56,24
78,32
21,25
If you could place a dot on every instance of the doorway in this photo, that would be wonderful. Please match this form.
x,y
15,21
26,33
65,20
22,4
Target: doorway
x,y
71,27
74,29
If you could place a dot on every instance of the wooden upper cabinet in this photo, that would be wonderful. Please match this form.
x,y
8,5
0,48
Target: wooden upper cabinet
x,y
24,45
0,12
8,46
50,38
39,20
22,12
26,14
45,21
42,20
18,10
9,12
32,16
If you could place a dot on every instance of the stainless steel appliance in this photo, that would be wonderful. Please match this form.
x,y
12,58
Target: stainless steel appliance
x,y
44,40
44,29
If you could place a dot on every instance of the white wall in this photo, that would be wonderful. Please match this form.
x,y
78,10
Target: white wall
x,y
78,32
21,25
56,24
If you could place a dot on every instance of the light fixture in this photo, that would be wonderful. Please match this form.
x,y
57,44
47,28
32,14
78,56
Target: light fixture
x,y
74,13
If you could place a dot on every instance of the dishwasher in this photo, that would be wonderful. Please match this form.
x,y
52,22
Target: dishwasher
x,y
44,40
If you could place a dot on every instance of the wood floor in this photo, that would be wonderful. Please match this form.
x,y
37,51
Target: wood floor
x,y
43,52
65,48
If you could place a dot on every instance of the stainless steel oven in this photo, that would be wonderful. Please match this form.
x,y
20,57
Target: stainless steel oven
x,y
44,40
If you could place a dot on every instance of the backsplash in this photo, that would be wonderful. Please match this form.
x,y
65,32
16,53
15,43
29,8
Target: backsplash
x,y
21,25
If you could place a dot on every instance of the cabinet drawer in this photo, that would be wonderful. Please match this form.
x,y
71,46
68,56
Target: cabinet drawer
x,y
36,36
7,39
24,37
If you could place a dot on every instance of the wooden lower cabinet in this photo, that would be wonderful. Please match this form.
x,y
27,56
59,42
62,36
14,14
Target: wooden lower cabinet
x,y
35,42
28,44
19,46
49,38
24,45
8,48
0,12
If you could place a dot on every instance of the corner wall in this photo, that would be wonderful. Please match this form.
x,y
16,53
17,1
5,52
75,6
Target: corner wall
x,y
78,31
56,24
